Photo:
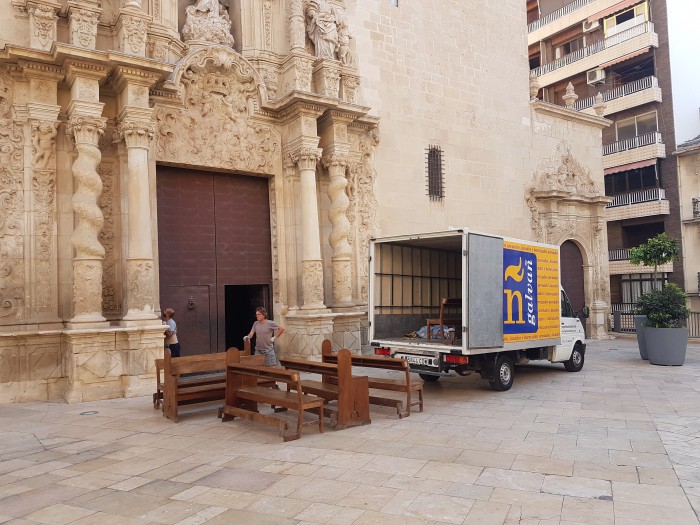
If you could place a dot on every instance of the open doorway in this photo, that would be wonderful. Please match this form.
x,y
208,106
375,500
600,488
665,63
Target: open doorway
x,y
240,304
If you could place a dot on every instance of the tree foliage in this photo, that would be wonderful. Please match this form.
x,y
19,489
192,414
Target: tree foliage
x,y
665,308
658,250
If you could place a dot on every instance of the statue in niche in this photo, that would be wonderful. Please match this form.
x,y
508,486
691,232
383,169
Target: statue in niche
x,y
322,28
208,21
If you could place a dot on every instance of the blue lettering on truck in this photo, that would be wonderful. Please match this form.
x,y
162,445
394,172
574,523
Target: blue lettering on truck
x,y
519,292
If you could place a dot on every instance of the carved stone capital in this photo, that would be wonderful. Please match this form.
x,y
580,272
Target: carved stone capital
x,y
86,130
335,161
306,158
136,134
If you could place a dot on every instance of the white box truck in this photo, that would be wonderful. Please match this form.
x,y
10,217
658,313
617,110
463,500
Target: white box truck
x,y
464,301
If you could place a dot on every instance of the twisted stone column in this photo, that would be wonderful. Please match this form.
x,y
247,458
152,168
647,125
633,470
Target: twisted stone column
x,y
312,278
139,263
89,253
338,239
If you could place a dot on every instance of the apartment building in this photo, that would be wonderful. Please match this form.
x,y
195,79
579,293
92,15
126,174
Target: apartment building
x,y
617,52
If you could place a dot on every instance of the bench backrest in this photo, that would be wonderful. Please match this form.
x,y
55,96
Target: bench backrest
x,y
387,363
342,368
191,364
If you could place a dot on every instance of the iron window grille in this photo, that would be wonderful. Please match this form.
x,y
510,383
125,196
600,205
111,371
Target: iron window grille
x,y
436,175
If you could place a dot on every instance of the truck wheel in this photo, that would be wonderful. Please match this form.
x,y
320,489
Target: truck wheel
x,y
503,374
428,378
575,362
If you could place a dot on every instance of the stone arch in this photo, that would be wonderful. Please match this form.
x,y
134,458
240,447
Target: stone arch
x,y
215,123
566,204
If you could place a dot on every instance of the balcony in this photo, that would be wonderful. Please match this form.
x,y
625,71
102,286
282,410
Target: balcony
x,y
642,203
620,264
623,43
636,149
642,91
570,14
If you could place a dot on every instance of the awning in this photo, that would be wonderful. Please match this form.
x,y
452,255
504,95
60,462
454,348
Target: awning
x,y
631,166
626,57
614,9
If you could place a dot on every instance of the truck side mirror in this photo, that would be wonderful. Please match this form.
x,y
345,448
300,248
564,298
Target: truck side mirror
x,y
585,312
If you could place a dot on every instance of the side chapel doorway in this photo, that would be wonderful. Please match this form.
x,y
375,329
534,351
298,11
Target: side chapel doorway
x,y
571,262
215,255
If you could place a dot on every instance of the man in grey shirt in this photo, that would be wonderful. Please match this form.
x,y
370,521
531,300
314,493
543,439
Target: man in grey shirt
x,y
265,331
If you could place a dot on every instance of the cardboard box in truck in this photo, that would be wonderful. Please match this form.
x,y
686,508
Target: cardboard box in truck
x,y
461,301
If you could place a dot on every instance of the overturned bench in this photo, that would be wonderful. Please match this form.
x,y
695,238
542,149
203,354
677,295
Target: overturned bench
x,y
244,392
405,385
337,384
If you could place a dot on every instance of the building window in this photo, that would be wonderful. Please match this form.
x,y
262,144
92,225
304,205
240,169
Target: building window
x,y
633,127
631,180
436,183
570,47
635,284
637,13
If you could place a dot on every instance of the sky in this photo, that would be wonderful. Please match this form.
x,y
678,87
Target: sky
x,y
684,43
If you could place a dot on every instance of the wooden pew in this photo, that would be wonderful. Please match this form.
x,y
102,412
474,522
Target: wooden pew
x,y
446,319
207,384
243,393
380,383
337,384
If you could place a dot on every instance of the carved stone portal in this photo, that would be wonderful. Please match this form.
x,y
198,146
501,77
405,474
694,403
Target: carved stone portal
x,y
220,89
208,21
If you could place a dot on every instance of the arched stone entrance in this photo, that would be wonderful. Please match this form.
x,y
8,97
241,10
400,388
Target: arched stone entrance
x,y
568,209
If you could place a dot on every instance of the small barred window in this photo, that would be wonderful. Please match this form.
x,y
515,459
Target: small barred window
x,y
436,182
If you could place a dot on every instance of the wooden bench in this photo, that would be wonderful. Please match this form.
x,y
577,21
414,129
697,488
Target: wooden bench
x,y
208,383
337,384
445,319
243,393
380,383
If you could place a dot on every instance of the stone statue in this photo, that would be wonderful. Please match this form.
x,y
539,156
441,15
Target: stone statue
x,y
344,36
322,28
208,21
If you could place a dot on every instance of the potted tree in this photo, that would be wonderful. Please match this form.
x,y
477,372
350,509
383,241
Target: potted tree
x,y
658,250
665,334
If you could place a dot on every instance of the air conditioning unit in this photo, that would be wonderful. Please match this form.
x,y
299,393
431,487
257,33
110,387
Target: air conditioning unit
x,y
590,26
595,76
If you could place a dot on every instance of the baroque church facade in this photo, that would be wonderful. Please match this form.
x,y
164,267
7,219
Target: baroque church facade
x,y
218,155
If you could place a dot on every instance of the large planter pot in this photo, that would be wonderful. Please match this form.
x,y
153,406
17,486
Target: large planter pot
x,y
666,346
641,342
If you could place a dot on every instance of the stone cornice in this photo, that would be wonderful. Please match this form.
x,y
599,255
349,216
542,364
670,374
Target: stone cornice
x,y
561,112
565,196
124,75
31,69
79,69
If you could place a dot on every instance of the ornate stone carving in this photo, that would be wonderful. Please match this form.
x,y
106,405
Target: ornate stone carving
x,y
43,26
563,173
349,85
344,35
43,143
11,145
267,23
87,131
306,158
296,28
158,49
6,88
107,236
322,28
338,238
83,27
208,21
44,193
136,134
134,34
219,89
329,81
11,244
312,281
270,78
140,281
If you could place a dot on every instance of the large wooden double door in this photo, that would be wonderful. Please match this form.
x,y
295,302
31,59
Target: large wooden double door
x,y
215,257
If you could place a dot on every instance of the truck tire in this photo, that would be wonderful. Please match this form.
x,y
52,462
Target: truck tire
x,y
504,373
429,378
575,362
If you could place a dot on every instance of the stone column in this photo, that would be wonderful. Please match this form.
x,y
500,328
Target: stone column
x,y
86,125
137,134
296,28
312,277
336,164
88,252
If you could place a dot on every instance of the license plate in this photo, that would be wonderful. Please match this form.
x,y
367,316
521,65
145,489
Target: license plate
x,y
418,360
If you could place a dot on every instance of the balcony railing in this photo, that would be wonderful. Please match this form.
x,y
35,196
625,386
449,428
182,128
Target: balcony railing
x,y
627,89
636,197
646,27
635,142
619,255
551,17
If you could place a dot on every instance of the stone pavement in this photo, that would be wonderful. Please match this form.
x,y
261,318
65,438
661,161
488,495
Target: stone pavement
x,y
618,443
